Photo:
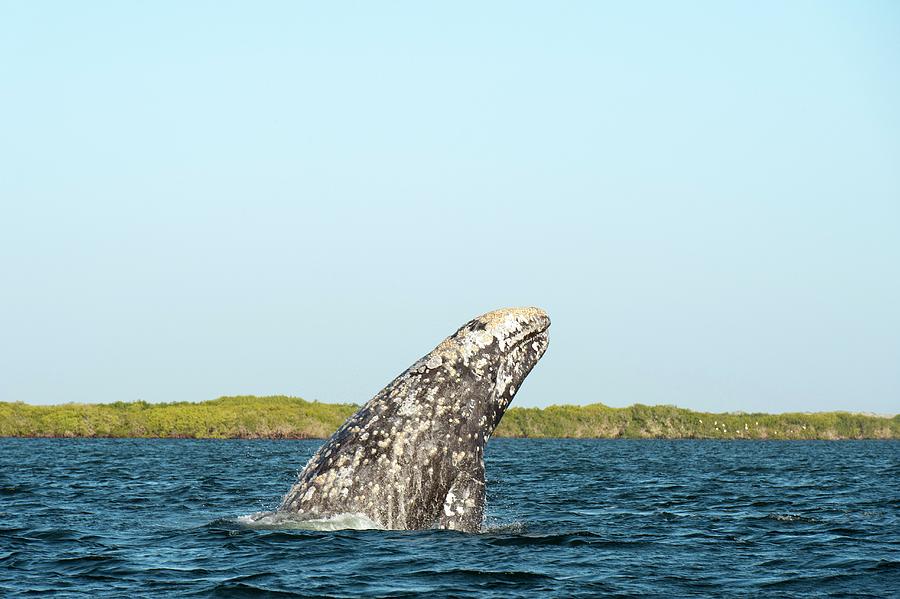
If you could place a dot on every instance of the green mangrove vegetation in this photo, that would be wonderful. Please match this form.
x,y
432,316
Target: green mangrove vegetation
x,y
669,422
244,417
280,417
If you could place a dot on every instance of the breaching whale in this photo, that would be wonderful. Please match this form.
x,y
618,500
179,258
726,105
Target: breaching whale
x,y
413,456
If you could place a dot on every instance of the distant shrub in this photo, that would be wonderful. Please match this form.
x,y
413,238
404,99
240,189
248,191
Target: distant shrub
x,y
281,417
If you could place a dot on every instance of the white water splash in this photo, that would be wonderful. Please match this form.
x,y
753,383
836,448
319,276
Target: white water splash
x,y
281,521
493,526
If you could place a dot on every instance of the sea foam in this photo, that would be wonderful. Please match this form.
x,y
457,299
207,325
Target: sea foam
x,y
283,520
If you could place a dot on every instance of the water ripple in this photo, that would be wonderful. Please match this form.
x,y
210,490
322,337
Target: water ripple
x,y
157,518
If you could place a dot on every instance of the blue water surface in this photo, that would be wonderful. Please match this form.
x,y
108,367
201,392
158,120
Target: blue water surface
x,y
566,518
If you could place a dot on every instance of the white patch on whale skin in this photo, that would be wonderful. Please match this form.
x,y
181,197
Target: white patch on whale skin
x,y
484,338
448,503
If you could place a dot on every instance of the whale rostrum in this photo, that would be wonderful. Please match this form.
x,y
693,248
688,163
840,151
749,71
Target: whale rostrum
x,y
413,456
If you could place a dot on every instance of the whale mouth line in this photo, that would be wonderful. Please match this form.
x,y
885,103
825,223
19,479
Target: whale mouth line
x,y
529,337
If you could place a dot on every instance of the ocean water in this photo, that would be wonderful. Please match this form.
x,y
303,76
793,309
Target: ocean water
x,y
144,518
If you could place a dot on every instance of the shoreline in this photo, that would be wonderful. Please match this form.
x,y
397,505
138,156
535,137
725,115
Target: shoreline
x,y
292,418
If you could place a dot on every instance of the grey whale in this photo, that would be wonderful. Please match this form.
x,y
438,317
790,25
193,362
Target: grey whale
x,y
413,456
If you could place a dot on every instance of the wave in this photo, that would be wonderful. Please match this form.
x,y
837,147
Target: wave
x,y
792,518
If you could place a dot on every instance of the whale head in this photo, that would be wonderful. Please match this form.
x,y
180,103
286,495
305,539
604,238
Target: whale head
x,y
486,361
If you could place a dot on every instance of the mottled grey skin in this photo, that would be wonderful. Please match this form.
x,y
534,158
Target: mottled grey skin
x,y
413,456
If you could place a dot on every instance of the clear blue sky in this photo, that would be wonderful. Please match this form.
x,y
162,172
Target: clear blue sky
x,y
216,198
